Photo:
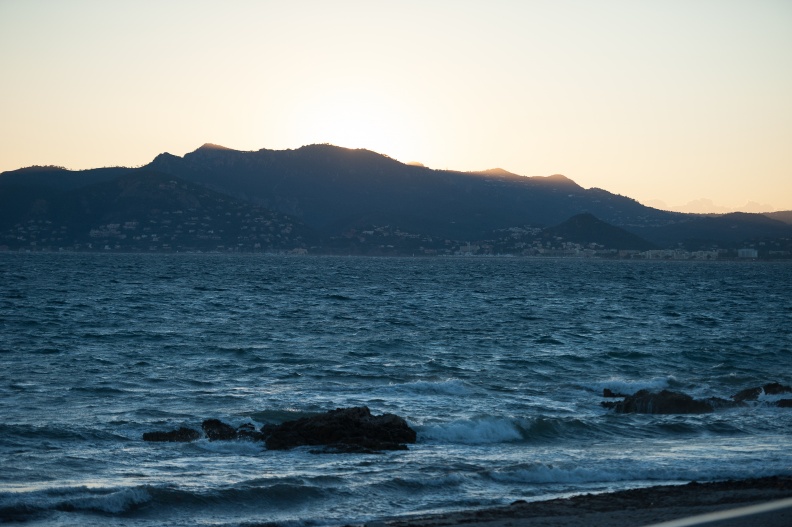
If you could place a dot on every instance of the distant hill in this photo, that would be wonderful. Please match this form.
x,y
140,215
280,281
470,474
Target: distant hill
x,y
334,189
726,230
57,177
358,201
496,172
586,229
145,210
784,216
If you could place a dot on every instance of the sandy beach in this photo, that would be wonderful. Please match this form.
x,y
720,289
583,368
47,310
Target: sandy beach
x,y
631,508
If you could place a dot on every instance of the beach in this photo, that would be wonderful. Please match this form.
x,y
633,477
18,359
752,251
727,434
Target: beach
x,y
630,508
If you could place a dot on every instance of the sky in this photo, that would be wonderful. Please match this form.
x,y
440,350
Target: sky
x,y
669,102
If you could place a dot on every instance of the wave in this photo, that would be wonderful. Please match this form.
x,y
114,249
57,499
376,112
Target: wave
x,y
493,430
472,432
339,297
542,473
26,506
27,432
23,505
573,473
772,399
238,447
447,387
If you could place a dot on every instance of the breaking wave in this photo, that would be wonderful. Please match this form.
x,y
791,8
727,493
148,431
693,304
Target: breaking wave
x,y
472,432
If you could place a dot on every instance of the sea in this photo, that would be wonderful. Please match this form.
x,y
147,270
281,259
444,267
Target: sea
x,y
499,364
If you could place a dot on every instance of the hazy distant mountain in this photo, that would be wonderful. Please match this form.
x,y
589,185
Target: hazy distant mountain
x,y
358,201
707,206
785,216
726,230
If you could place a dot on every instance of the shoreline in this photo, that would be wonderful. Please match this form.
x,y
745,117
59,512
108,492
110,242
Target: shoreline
x,y
626,508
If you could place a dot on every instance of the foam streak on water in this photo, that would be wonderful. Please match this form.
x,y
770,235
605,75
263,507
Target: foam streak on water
x,y
499,364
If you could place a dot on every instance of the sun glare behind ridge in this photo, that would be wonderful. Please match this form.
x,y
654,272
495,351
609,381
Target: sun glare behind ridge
x,y
356,119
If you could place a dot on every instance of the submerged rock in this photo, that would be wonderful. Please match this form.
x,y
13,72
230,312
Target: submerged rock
x,y
342,430
182,435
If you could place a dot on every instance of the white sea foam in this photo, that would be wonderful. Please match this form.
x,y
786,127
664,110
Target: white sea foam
x,y
630,386
772,399
472,432
240,447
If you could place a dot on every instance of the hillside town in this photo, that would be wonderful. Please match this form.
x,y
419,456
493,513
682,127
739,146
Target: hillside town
x,y
252,230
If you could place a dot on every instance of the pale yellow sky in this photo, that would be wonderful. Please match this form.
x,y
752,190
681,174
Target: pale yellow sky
x,y
657,100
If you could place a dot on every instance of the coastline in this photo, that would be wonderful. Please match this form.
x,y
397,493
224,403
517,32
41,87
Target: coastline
x,y
627,508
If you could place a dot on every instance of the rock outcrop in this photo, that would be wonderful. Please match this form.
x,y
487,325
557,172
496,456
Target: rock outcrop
x,y
216,430
669,402
340,430
343,429
182,435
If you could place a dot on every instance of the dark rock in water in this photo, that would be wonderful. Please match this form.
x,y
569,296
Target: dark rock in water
x,y
664,402
343,430
718,404
752,394
607,392
668,402
182,435
217,430
749,394
249,432
775,388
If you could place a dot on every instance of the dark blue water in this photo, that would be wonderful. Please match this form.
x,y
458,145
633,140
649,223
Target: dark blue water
x,y
499,364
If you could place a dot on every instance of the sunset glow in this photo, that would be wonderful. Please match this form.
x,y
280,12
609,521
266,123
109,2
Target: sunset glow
x,y
355,117
668,103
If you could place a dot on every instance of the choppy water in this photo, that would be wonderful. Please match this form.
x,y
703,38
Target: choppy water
x,y
498,364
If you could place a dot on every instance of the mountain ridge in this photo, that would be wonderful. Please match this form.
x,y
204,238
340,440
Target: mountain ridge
x,y
310,181
335,192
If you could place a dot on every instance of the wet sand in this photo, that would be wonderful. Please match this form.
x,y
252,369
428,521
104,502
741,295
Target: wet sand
x,y
631,508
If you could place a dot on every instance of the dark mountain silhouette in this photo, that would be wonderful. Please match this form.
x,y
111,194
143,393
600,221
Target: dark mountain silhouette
x,y
334,189
495,172
586,229
143,209
50,177
21,190
340,194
